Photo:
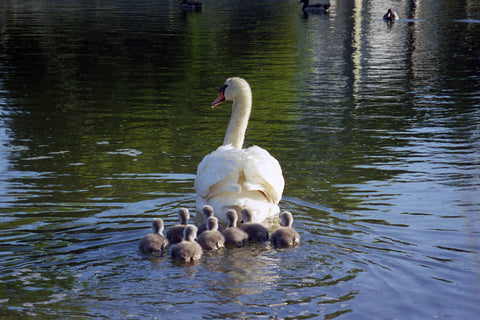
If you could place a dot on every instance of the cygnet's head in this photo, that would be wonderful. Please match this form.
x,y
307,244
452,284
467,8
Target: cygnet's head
x,y
183,215
287,218
231,218
247,215
157,226
212,223
190,232
207,211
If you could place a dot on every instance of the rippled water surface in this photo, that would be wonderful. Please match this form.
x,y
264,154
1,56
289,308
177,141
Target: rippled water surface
x,y
105,115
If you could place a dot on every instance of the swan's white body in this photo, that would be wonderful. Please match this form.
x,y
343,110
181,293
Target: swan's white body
x,y
235,178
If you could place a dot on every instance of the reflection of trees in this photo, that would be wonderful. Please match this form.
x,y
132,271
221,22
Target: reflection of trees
x,y
364,92
129,76
106,102
141,78
346,109
83,84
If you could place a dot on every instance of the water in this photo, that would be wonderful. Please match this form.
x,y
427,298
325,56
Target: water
x,y
105,117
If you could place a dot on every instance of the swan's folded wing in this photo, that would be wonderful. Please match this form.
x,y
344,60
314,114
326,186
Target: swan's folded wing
x,y
221,171
218,172
263,173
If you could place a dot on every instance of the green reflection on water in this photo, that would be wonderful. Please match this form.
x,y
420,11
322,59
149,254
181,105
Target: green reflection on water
x,y
107,107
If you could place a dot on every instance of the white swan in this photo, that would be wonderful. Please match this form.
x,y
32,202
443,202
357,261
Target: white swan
x,y
235,178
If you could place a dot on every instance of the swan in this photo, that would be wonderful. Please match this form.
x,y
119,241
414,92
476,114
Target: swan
x,y
175,233
187,250
234,236
211,239
285,236
235,178
390,15
155,241
314,8
256,231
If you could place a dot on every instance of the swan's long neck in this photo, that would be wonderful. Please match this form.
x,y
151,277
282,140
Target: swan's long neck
x,y
241,108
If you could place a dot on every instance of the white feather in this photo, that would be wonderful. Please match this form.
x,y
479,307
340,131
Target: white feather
x,y
231,178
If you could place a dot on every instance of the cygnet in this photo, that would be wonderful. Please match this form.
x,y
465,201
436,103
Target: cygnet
x,y
256,231
234,236
211,239
285,236
175,233
187,250
155,241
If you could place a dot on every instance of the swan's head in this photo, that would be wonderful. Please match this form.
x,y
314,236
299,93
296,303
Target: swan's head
x,y
157,226
231,89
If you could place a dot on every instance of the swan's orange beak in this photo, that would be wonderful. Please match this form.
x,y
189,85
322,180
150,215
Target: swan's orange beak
x,y
220,98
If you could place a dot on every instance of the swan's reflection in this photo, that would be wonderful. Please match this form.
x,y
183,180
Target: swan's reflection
x,y
240,271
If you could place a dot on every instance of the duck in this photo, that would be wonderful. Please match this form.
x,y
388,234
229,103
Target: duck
x,y
314,8
390,15
175,233
207,212
154,241
256,231
187,250
189,5
233,235
233,177
285,236
211,239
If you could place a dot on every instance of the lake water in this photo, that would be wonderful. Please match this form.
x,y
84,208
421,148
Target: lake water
x,y
105,115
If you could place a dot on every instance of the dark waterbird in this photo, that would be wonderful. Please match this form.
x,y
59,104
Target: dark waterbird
x,y
189,5
390,15
314,8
